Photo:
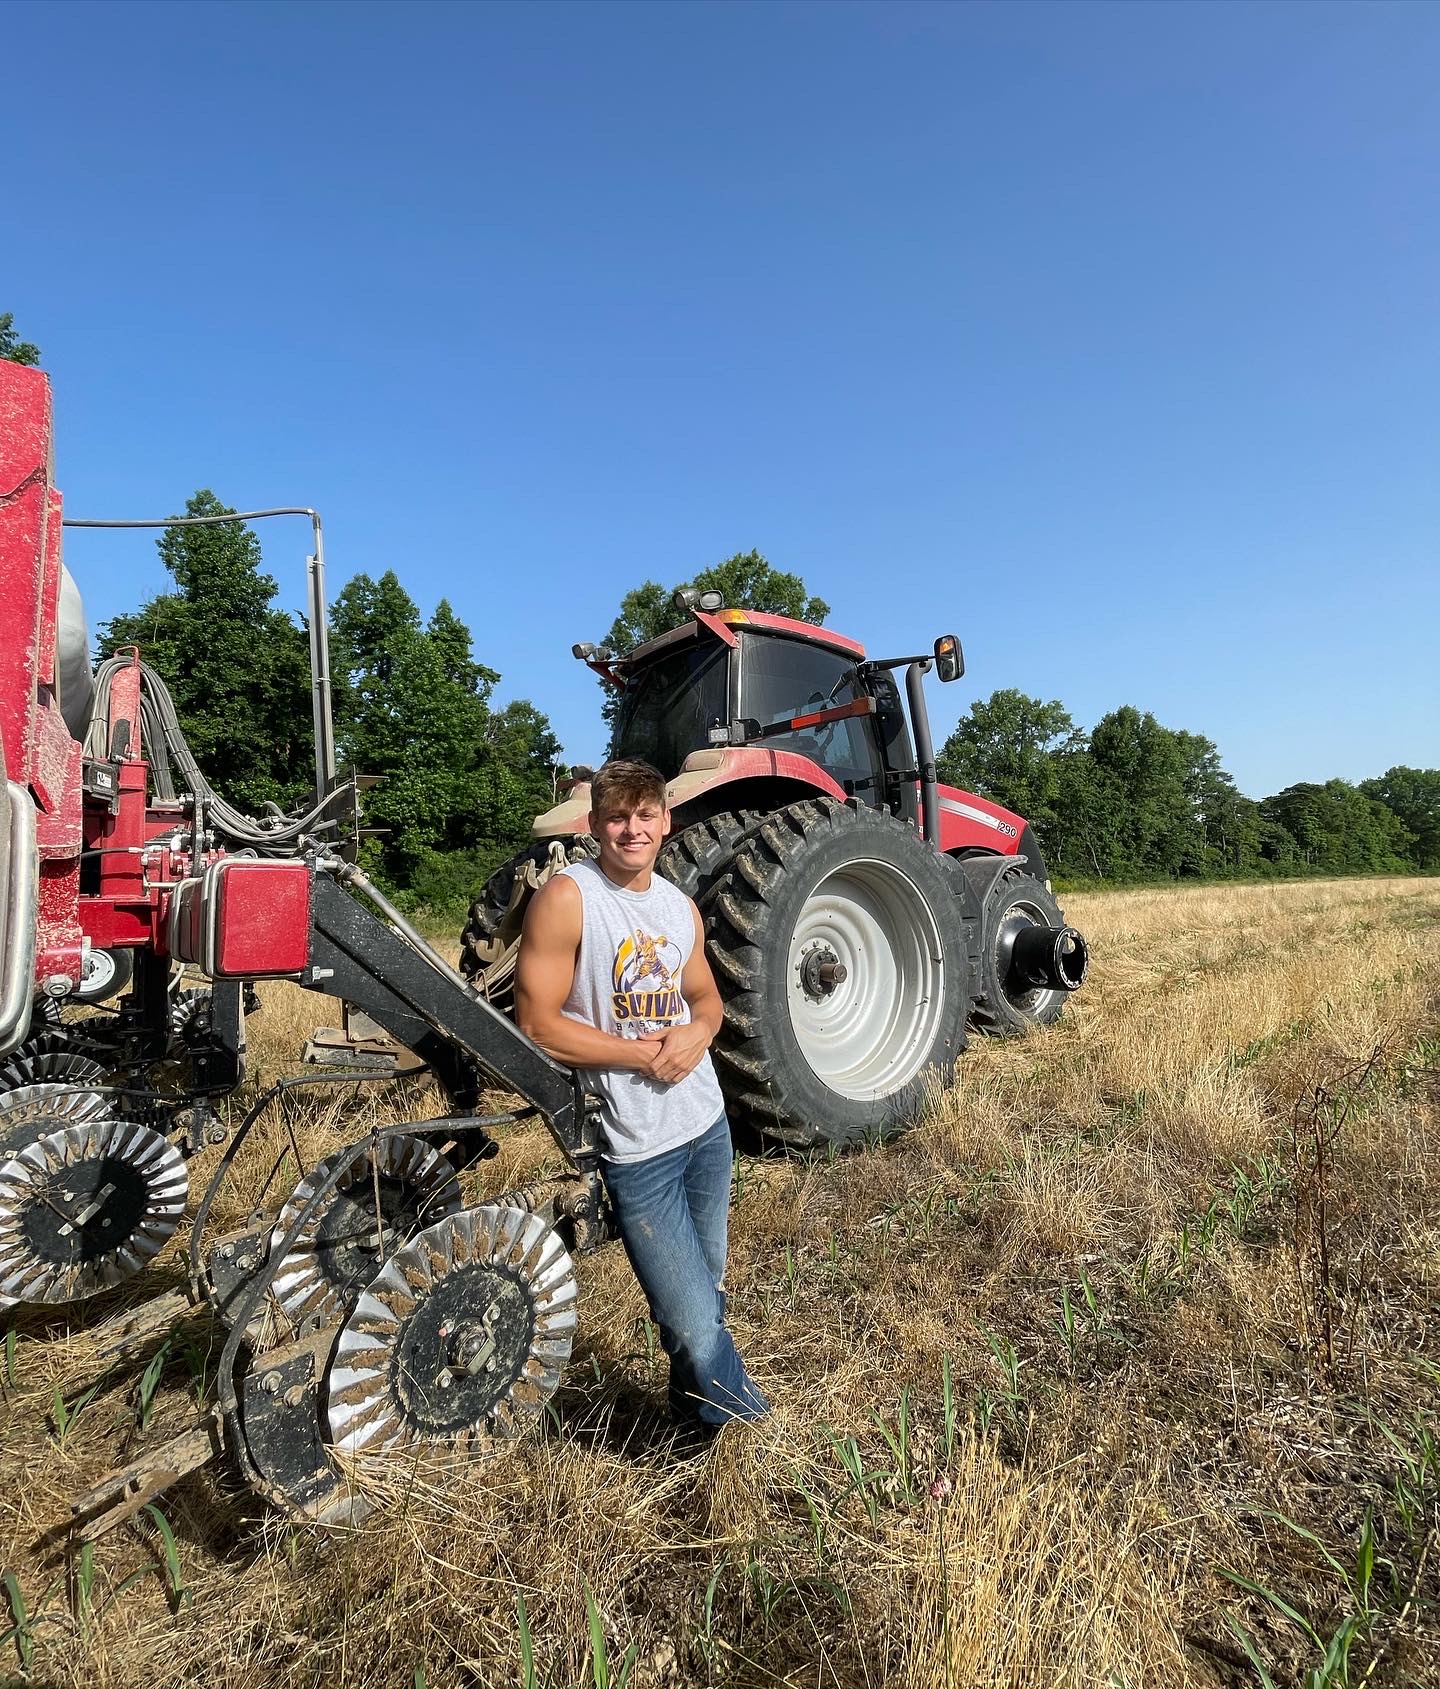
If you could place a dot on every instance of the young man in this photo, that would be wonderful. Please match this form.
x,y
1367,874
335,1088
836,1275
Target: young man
x,y
613,981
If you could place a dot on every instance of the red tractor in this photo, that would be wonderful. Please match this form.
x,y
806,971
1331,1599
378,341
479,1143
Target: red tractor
x,y
858,914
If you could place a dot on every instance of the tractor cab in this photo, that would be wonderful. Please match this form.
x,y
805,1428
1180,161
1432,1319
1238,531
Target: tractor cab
x,y
733,678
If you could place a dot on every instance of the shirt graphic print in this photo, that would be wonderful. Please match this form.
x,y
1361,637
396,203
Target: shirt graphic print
x,y
646,977
629,979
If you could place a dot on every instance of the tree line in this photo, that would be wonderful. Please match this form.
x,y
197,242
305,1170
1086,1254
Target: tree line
x,y
1132,800
462,778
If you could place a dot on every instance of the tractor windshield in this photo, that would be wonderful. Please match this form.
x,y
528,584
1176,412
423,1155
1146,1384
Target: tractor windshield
x,y
782,677
668,708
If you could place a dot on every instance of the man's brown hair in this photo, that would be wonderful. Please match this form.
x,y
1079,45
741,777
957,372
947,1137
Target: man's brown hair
x,y
626,785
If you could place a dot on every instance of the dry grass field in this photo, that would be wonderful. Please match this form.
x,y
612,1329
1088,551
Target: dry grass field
x,y
1120,1369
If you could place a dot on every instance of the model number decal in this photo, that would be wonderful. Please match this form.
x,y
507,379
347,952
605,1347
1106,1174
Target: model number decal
x,y
982,816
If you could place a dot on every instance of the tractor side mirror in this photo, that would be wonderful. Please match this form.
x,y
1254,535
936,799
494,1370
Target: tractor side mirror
x,y
949,658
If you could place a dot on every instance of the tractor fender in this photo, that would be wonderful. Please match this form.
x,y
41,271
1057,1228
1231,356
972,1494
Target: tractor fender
x,y
981,874
786,776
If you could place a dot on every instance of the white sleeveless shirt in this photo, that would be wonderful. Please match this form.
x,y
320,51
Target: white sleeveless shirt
x,y
633,949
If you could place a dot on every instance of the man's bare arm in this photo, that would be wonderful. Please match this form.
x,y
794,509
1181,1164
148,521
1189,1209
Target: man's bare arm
x,y
685,1045
544,977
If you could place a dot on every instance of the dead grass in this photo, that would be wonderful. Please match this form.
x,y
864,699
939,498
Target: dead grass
x,y
1039,1370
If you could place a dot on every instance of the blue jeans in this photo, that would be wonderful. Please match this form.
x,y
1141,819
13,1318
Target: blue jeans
x,y
672,1210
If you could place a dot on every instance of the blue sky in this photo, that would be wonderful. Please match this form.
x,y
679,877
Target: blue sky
x,y
1104,336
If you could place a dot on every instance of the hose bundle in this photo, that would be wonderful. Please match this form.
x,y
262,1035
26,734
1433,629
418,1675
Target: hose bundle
x,y
167,752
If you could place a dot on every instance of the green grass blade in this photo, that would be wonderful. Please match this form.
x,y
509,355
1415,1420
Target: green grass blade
x,y
84,1588
24,1638
599,1658
527,1644
150,1383
1278,1602
176,1593
1243,1638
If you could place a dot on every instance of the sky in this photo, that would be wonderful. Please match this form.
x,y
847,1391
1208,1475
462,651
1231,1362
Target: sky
x,y
1104,336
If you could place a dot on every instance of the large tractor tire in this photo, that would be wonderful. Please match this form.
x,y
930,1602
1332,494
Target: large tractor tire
x,y
490,940
1006,1004
694,857
840,948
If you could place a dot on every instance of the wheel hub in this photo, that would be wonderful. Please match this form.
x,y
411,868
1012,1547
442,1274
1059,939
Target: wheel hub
x,y
1019,987
462,1349
821,971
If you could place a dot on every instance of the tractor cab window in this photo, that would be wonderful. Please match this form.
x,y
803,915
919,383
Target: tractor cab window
x,y
667,710
782,677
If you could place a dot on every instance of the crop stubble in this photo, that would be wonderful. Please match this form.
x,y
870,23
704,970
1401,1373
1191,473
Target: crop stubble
x,y
1131,1292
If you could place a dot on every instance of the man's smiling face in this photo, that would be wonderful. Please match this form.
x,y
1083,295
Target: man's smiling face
x,y
630,839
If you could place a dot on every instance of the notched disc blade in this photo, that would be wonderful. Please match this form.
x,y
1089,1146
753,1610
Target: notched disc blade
x,y
460,1338
85,1207
336,1254
49,1060
31,1111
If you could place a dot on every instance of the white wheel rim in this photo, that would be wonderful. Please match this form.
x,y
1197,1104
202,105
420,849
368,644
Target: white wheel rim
x,y
872,1032
96,974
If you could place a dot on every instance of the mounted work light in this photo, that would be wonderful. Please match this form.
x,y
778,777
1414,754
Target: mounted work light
x,y
688,598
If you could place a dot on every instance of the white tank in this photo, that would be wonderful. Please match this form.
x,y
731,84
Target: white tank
x,y
73,657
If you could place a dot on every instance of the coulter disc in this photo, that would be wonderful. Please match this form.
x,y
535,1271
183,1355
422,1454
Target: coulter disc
x,y
31,1111
189,1014
85,1207
338,1252
49,1060
460,1338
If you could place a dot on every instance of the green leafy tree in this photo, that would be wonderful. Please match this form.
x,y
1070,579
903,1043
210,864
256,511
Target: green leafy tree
x,y
1224,831
239,670
1413,794
12,349
462,781
746,581
1337,829
451,640
1150,782
521,740
1087,834
408,707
